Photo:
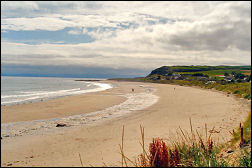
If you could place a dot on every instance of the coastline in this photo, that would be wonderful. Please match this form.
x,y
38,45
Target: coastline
x,y
47,94
134,101
159,120
55,107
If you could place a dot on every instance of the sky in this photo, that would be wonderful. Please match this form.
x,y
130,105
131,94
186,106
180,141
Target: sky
x,y
107,39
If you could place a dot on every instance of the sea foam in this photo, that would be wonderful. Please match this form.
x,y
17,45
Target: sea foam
x,y
25,96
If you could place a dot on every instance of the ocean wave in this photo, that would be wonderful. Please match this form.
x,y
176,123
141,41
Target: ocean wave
x,y
38,95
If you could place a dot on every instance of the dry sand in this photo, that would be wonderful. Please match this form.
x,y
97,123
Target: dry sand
x,y
98,144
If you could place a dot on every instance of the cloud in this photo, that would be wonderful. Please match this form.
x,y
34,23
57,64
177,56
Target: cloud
x,y
215,32
21,6
75,31
138,35
38,23
59,15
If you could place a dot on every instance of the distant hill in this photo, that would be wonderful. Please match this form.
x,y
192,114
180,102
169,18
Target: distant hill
x,y
167,70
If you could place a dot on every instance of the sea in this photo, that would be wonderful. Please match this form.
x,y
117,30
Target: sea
x,y
21,90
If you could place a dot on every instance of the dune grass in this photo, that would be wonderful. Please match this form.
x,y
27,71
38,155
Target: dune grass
x,y
192,150
245,159
246,131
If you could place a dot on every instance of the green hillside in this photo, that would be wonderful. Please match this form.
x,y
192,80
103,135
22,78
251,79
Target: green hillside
x,y
209,70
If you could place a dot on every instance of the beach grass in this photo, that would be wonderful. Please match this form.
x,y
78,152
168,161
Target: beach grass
x,y
246,131
192,150
245,159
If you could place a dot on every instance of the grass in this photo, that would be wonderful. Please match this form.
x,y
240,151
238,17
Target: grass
x,y
241,89
246,131
80,160
213,73
192,150
245,159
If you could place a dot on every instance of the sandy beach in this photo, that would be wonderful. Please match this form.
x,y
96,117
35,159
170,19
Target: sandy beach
x,y
159,108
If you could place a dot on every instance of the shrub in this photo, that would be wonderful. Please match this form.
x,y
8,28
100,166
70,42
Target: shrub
x,y
236,91
247,96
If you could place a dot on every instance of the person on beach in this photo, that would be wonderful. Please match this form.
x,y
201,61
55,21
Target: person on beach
x,y
133,89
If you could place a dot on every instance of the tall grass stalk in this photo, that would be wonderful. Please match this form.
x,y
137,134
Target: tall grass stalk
x,y
191,151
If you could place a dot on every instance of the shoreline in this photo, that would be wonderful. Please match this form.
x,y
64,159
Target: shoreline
x,y
162,119
58,93
73,104
133,102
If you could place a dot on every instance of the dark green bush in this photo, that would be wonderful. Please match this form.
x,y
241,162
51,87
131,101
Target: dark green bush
x,y
247,96
236,91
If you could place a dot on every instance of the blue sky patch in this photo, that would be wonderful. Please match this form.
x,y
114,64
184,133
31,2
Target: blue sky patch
x,y
43,36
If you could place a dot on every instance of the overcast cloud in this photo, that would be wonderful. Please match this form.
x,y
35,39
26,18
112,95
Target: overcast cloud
x,y
124,35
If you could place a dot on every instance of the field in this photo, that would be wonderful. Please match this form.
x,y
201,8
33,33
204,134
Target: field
x,y
215,73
